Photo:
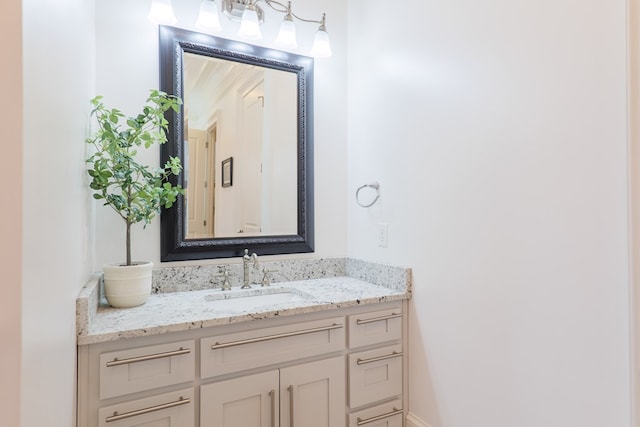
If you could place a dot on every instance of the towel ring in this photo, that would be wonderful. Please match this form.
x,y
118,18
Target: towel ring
x,y
375,186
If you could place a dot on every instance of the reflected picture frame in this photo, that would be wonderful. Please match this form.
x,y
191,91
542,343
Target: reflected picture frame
x,y
227,172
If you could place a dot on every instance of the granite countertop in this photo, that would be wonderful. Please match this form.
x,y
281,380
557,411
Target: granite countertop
x,y
317,285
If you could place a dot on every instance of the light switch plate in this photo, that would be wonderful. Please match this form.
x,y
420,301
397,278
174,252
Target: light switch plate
x,y
383,234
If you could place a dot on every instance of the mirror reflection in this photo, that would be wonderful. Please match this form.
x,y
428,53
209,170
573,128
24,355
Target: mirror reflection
x,y
240,149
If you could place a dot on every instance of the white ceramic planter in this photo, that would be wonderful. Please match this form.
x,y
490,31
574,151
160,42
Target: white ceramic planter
x,y
127,285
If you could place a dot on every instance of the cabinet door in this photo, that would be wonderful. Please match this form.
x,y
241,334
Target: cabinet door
x,y
249,401
313,394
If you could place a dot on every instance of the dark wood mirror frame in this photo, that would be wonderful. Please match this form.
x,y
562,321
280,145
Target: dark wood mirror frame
x,y
174,246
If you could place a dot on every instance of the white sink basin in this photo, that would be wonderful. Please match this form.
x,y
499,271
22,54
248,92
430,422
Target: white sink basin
x,y
254,300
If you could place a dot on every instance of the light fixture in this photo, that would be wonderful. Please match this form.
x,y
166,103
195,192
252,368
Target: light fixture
x,y
287,35
250,16
161,12
208,19
250,25
321,47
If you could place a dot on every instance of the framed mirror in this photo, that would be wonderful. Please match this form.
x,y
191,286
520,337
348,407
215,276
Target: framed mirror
x,y
245,138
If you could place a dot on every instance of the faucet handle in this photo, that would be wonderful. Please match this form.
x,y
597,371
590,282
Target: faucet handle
x,y
265,276
226,286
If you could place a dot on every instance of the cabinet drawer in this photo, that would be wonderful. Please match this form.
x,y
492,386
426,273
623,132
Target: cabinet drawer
x,y
386,415
173,409
375,327
130,371
375,375
224,354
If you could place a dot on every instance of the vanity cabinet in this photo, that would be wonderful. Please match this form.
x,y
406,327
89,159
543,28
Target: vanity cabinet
x,y
335,368
377,377
308,394
311,395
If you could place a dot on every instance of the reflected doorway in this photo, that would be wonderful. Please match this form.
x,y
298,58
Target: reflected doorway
x,y
200,193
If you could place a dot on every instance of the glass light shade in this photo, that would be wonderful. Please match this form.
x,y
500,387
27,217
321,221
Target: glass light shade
x,y
321,47
161,12
250,27
208,19
287,34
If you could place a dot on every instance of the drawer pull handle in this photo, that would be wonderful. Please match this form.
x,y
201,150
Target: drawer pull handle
x,y
118,362
118,417
395,411
272,395
290,389
376,359
377,319
273,337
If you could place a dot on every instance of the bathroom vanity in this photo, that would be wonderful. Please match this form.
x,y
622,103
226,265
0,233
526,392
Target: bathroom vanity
x,y
328,350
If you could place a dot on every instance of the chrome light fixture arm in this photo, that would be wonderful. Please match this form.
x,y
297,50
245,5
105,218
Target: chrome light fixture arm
x,y
273,4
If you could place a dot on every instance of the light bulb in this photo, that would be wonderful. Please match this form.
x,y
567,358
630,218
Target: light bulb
x,y
161,12
321,47
287,34
208,19
250,27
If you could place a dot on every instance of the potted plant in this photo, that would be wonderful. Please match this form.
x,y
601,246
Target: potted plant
x,y
136,192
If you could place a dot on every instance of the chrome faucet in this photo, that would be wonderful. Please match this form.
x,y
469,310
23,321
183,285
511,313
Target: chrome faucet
x,y
246,259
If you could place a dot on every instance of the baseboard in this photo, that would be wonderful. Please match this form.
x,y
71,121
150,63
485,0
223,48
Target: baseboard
x,y
413,421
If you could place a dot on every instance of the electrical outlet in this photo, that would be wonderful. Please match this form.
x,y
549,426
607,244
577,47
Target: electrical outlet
x,y
383,234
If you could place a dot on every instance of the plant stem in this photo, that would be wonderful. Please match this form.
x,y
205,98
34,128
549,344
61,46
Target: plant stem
x,y
128,220
128,243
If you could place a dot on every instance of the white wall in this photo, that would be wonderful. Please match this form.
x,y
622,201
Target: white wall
x,y
58,79
227,199
497,132
11,216
634,196
127,67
